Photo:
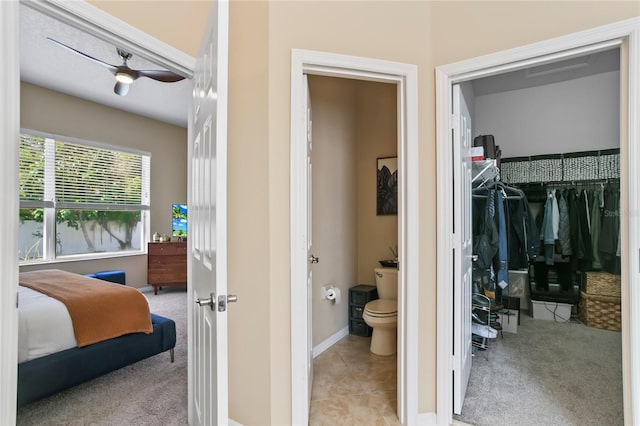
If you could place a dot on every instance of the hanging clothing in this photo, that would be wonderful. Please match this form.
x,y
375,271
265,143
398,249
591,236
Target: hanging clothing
x,y
523,237
485,230
595,228
583,218
608,242
564,225
501,265
575,231
555,214
575,234
547,232
587,207
523,241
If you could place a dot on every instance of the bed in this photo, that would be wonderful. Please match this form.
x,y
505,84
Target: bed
x,y
59,349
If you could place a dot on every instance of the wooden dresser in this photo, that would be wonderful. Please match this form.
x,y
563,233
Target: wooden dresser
x,y
167,264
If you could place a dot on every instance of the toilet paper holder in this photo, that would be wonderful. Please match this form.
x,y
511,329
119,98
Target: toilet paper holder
x,y
331,293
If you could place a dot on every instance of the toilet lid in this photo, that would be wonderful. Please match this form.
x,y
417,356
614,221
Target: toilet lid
x,y
381,307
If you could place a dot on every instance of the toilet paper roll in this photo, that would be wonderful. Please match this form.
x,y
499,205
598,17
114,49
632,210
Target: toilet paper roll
x,y
334,294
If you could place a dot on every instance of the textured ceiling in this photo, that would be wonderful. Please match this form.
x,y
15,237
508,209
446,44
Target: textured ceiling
x,y
45,64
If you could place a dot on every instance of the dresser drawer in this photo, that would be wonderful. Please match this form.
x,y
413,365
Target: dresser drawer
x,y
166,264
167,275
169,259
162,249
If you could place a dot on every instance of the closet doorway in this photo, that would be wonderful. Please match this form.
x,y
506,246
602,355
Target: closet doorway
x,y
593,41
548,341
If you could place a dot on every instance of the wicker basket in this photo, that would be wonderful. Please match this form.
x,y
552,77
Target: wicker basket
x,y
602,283
600,311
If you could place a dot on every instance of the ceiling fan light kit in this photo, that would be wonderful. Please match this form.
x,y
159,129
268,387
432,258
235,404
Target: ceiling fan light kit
x,y
121,89
124,78
123,74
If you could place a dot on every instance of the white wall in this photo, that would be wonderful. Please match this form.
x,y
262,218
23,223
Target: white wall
x,y
574,115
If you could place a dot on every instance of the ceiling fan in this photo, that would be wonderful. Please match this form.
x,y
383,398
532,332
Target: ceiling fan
x,y
125,75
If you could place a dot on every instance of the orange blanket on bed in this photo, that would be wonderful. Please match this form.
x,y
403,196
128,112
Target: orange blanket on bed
x,y
99,310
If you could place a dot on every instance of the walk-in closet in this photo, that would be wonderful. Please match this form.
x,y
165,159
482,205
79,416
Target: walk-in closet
x,y
545,212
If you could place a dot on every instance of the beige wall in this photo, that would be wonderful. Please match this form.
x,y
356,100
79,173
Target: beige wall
x,y
251,377
483,27
262,34
179,23
333,102
53,112
377,138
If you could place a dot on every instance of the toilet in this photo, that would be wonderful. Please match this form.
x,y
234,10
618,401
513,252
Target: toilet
x,y
382,314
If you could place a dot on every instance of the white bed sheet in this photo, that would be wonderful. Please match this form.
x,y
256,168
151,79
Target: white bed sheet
x,y
44,325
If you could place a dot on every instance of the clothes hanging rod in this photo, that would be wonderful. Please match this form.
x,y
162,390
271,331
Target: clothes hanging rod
x,y
568,182
508,197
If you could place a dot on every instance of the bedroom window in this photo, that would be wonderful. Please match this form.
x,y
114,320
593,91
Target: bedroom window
x,y
80,199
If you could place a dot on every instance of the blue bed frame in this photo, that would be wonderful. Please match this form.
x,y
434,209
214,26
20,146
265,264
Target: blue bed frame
x,y
53,373
45,376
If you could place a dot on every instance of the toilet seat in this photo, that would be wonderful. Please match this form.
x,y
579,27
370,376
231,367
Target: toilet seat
x,y
382,308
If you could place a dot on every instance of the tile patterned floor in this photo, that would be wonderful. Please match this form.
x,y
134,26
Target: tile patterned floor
x,y
352,386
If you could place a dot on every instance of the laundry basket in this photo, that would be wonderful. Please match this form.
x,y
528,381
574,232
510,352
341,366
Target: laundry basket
x,y
602,283
600,305
600,311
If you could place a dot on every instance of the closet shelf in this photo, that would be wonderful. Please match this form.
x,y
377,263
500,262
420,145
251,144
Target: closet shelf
x,y
485,170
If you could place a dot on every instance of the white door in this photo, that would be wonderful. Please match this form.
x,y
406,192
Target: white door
x,y
462,350
312,259
207,260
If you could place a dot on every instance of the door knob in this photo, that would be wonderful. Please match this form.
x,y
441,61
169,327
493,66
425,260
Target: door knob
x,y
313,259
223,301
211,301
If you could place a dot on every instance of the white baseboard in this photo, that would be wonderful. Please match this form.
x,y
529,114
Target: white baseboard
x,y
332,340
234,423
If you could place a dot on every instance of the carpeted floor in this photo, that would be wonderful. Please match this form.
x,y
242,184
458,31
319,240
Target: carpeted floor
x,y
547,374
150,392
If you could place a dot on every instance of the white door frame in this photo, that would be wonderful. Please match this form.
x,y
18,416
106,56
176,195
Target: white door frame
x,y
405,76
9,131
625,34
95,22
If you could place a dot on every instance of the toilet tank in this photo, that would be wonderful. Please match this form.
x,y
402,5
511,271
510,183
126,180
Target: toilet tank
x,y
387,283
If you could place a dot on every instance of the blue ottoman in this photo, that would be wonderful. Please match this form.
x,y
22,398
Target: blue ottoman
x,y
116,276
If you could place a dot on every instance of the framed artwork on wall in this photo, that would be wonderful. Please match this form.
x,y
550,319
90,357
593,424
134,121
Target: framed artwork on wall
x,y
387,194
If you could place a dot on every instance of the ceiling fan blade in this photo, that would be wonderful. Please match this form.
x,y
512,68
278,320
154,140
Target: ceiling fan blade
x,y
121,89
161,75
91,58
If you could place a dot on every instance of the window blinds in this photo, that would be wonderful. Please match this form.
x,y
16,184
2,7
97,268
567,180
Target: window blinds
x,y
32,170
74,175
